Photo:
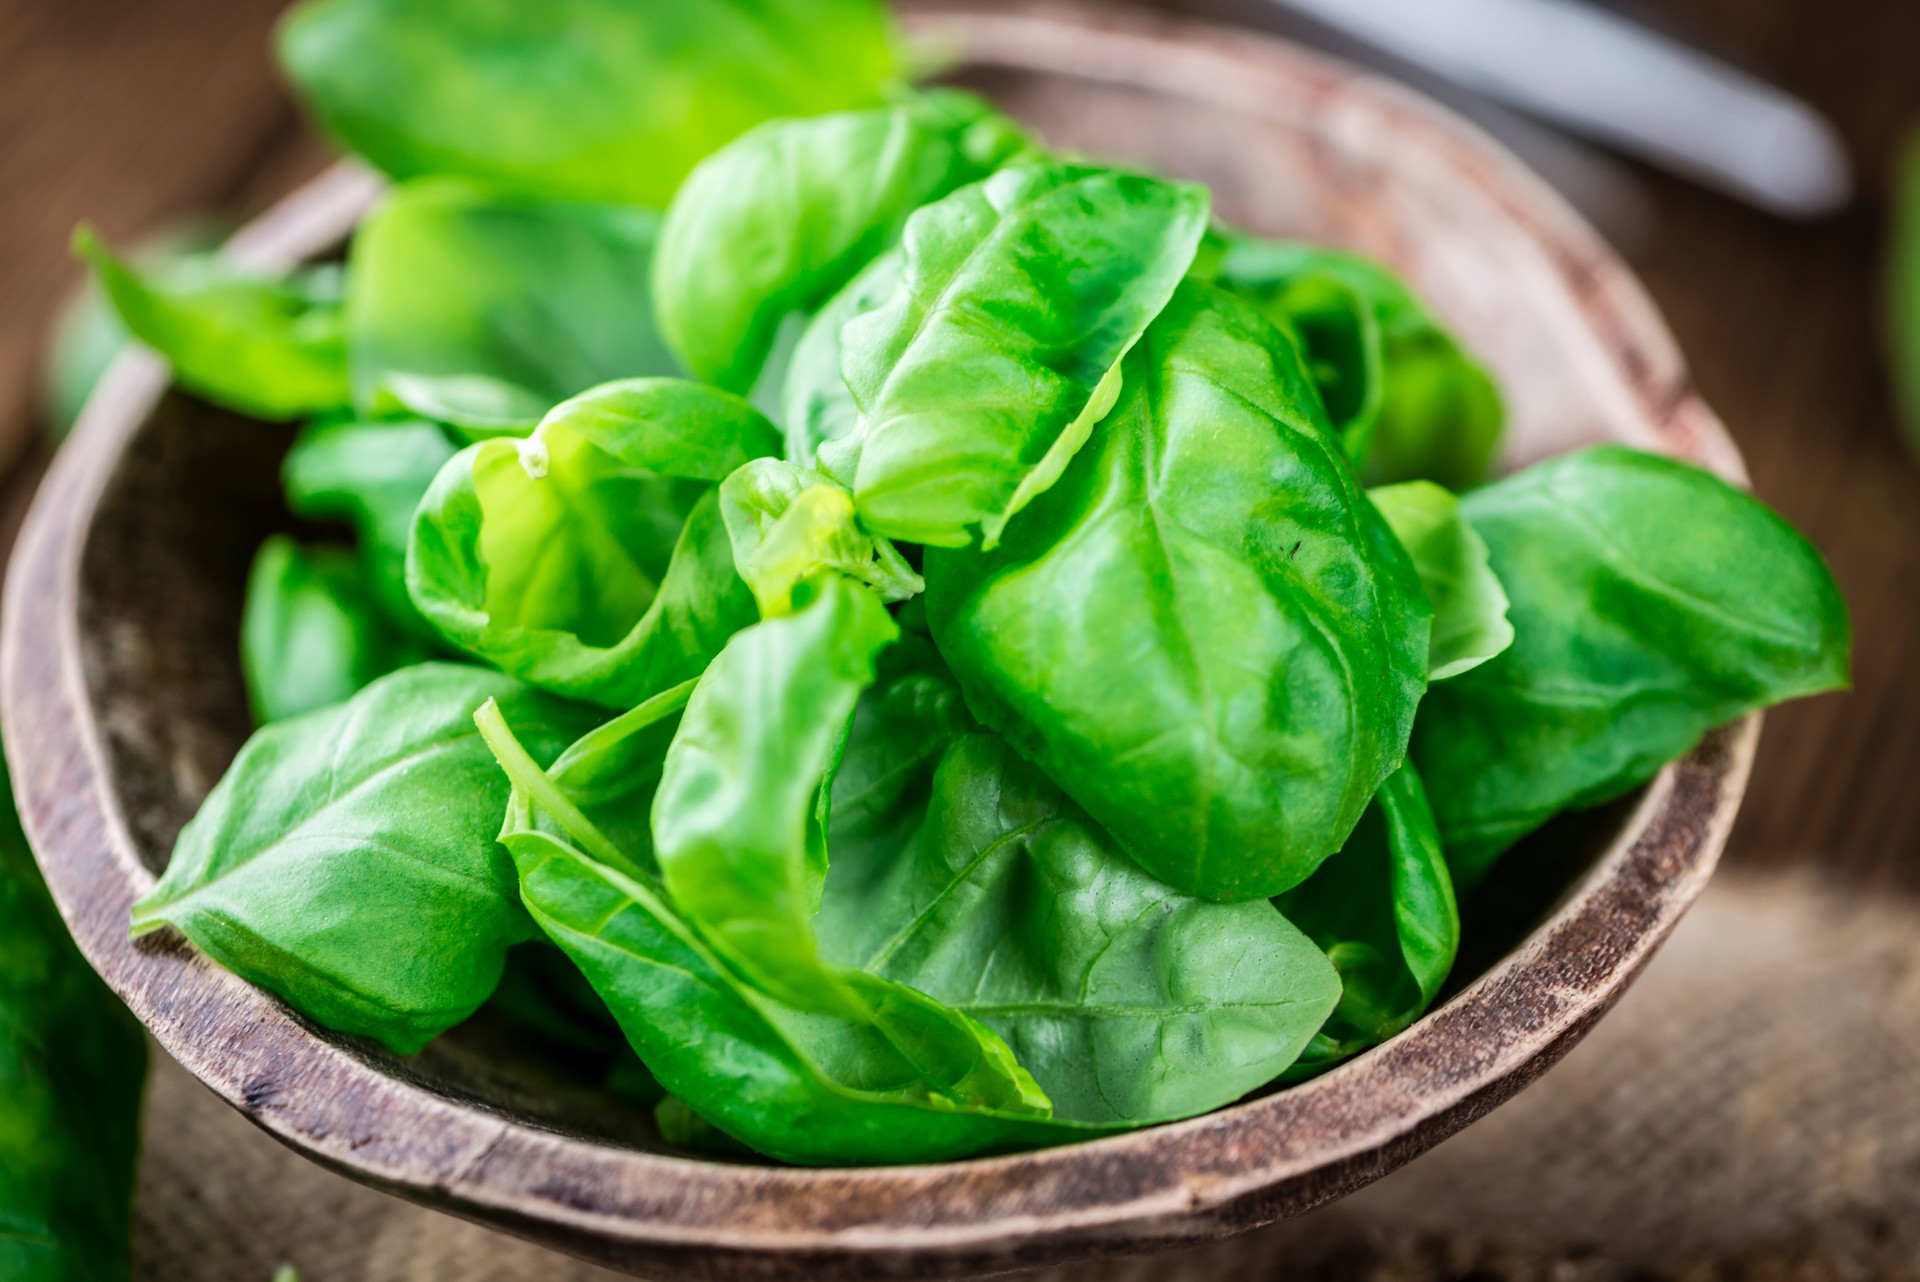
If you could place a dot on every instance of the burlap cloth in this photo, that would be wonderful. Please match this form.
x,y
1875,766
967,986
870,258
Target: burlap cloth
x,y
1750,1111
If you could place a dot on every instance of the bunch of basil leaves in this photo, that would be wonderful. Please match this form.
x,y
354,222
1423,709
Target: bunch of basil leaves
x,y
952,648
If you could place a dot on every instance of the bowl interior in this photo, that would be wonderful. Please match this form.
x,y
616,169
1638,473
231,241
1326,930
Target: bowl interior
x,y
198,489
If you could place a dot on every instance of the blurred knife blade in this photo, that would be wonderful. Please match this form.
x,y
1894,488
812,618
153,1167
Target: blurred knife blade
x,y
1606,78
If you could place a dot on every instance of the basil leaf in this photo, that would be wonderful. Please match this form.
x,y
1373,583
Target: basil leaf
x,y
1651,602
787,524
1128,1001
72,1064
681,1127
1204,633
739,835
590,559
474,406
1383,911
582,99
267,346
883,780
818,406
780,219
986,372
550,298
87,333
346,861
893,1077
1409,402
312,635
797,1087
741,847
372,476
1903,289
1469,606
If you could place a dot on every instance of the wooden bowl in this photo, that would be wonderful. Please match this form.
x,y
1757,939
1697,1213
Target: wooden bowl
x,y
123,703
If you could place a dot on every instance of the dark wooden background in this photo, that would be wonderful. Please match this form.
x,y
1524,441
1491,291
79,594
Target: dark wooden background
x,y
136,113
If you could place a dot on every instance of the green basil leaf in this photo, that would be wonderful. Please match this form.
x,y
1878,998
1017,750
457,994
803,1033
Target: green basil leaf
x,y
780,219
681,1127
72,1064
788,524
87,334
817,405
590,559
1410,403
986,372
1469,606
372,476
1204,633
736,829
267,346
883,781
312,634
1128,1001
797,1087
476,407
1339,334
582,99
739,835
605,783
1383,911
1903,289
449,280
1651,602
892,1078
346,861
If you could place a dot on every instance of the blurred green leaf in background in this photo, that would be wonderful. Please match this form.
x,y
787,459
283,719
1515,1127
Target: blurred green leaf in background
x,y
1903,289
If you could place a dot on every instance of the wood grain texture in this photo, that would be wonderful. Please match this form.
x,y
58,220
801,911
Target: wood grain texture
x,y
120,703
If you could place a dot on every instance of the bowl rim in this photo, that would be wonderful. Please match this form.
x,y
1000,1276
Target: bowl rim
x,y
1244,1165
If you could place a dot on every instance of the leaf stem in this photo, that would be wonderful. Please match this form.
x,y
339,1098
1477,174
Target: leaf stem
x,y
527,775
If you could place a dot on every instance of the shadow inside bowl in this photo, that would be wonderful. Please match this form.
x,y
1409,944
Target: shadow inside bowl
x,y
161,584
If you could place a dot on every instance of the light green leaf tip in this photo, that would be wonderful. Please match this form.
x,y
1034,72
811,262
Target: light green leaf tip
x,y
1470,622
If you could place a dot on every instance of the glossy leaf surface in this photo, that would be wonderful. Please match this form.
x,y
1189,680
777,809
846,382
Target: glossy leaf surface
x,y
1469,606
590,559
312,634
1411,403
1204,633
1128,1001
739,837
1001,349
582,99
782,218
1651,602
1383,911
816,404
797,1087
268,346
737,821
875,1083
347,861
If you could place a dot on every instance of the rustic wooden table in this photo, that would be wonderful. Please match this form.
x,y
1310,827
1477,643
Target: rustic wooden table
x,y
135,113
